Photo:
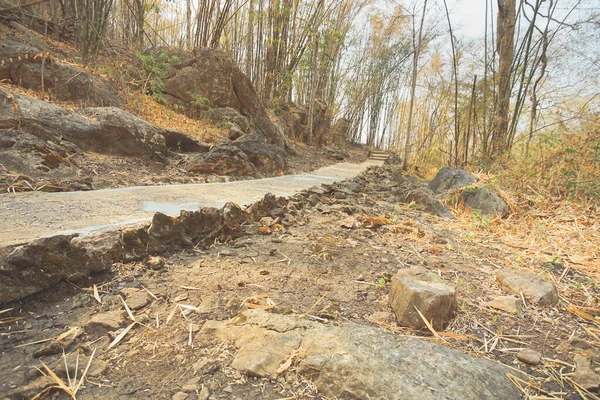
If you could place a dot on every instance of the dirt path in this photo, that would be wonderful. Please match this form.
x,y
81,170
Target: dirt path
x,y
26,216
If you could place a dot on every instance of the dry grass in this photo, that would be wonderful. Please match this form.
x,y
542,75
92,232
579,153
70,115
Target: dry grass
x,y
163,116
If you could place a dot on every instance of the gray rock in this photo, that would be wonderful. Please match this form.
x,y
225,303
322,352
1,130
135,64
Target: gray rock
x,y
435,300
107,130
358,362
585,375
265,156
61,80
100,324
192,385
393,159
231,116
529,356
180,396
450,178
204,394
234,132
138,300
484,200
533,287
213,76
222,160
510,304
31,268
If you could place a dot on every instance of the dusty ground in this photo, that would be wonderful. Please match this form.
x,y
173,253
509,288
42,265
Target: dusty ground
x,y
314,258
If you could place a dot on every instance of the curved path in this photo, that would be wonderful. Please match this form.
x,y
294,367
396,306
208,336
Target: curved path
x,y
27,216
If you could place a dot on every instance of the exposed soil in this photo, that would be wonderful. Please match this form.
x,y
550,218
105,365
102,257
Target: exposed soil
x,y
337,254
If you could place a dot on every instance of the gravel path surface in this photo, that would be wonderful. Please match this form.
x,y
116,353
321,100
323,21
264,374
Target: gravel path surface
x,y
30,215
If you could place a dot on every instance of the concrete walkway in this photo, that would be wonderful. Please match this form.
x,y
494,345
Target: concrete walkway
x,y
27,216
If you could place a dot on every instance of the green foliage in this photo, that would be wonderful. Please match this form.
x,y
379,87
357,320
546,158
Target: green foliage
x,y
480,220
201,103
152,72
381,283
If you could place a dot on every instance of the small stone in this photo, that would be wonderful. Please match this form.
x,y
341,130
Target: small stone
x,y
206,366
181,297
381,317
204,394
138,300
226,253
435,300
534,288
180,396
100,324
191,385
529,356
208,304
330,311
510,304
155,263
251,229
339,195
585,375
233,304
228,389
350,223
129,291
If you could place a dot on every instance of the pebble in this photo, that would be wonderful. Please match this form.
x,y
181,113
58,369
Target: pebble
x,y
529,356
180,396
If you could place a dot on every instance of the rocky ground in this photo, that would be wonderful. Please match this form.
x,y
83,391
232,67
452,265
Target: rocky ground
x,y
93,171
302,301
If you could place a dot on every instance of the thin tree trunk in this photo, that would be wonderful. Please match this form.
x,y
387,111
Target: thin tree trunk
x,y
413,85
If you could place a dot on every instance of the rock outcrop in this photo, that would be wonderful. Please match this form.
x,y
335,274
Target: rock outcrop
x,y
211,79
28,269
485,201
29,63
105,130
358,362
246,155
450,178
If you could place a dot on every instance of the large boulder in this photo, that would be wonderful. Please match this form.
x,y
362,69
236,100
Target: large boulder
x,y
105,130
358,362
31,268
297,124
211,78
31,66
266,157
244,156
483,200
451,178
222,159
